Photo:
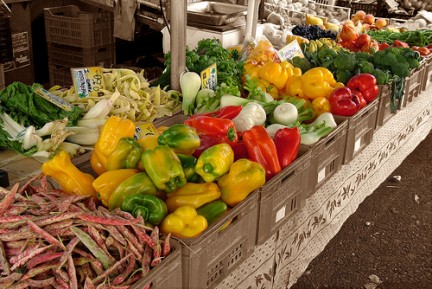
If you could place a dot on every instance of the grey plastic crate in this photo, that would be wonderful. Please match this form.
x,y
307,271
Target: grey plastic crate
x,y
211,257
427,72
384,106
412,86
166,275
327,156
283,196
361,127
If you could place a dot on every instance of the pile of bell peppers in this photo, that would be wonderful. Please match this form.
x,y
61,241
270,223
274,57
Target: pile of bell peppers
x,y
360,90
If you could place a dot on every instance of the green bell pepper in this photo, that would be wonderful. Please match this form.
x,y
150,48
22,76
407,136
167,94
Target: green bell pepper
x,y
139,184
188,164
126,155
164,168
150,207
181,138
211,211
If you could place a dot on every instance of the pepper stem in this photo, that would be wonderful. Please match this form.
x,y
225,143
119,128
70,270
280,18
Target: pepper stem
x,y
208,168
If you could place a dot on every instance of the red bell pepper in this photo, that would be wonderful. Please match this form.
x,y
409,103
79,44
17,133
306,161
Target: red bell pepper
x,y
383,45
219,127
262,149
240,150
229,112
287,141
342,102
206,141
365,83
398,43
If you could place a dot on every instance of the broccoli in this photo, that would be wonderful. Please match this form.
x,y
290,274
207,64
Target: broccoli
x,y
381,76
302,63
363,56
327,54
365,66
401,69
344,75
388,59
413,63
345,61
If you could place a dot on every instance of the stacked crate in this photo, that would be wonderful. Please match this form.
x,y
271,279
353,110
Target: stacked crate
x,y
77,39
6,53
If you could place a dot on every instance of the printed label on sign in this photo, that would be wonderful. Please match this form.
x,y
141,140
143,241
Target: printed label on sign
x,y
290,51
209,77
280,214
88,81
53,99
357,145
144,129
321,174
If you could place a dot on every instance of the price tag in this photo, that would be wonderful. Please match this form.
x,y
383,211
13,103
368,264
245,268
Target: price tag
x,y
357,145
280,214
53,99
291,50
88,81
144,129
321,174
209,77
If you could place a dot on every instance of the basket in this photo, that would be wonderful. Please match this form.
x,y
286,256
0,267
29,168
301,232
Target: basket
x,y
68,25
327,156
6,51
384,106
168,274
283,196
361,127
70,56
370,7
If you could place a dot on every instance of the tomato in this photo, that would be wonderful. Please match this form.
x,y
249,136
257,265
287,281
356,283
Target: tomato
x,y
348,33
363,40
398,43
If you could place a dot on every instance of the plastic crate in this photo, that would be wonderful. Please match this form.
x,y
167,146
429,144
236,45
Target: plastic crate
x,y
327,156
427,72
412,86
373,8
327,2
283,196
211,257
361,127
68,25
59,75
166,275
6,51
2,78
70,56
333,8
384,106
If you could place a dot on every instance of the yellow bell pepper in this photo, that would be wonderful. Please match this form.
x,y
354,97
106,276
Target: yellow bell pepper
x,y
96,165
112,131
68,176
244,177
328,75
297,71
274,73
268,87
320,105
214,162
251,69
107,182
148,142
314,84
294,87
193,194
184,222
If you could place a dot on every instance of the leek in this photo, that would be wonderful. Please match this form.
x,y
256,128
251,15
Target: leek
x,y
190,84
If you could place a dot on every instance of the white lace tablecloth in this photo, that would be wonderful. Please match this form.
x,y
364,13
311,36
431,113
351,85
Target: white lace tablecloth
x,y
282,259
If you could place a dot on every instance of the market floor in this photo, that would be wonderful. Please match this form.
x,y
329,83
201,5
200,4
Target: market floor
x,y
387,242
